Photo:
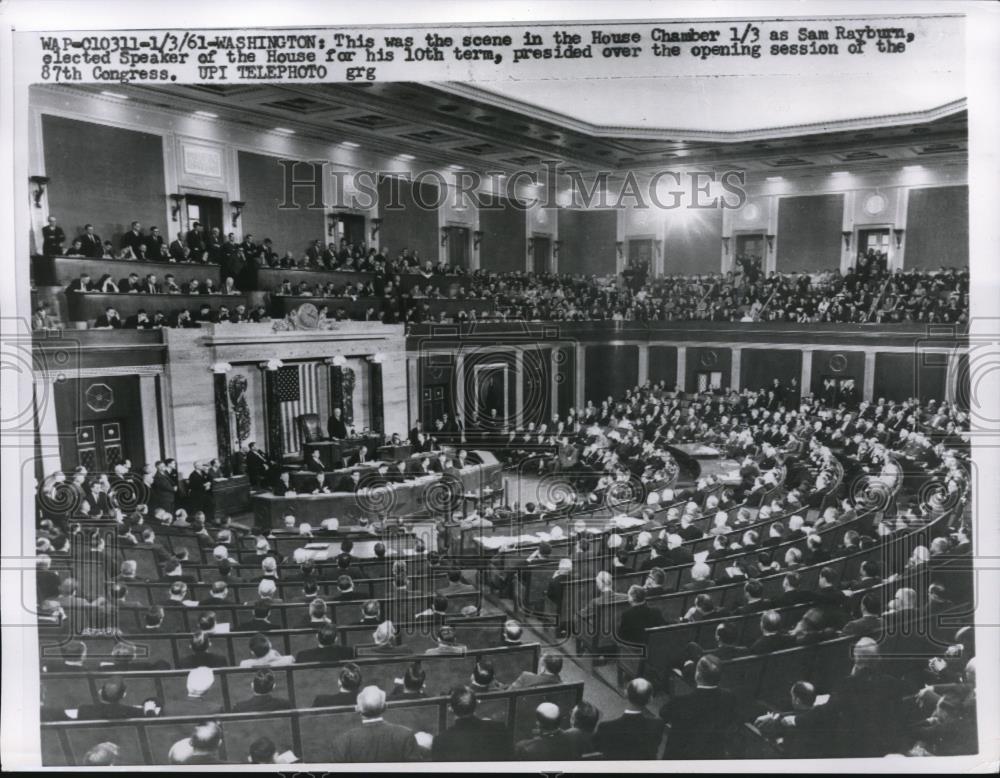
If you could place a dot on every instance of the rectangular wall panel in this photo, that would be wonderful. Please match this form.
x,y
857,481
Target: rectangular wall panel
x,y
937,228
587,241
809,232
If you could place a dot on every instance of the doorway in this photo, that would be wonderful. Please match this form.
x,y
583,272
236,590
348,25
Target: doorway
x,y
207,211
708,380
100,445
640,259
350,227
874,244
458,246
541,251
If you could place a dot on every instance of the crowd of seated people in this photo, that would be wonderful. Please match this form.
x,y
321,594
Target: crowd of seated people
x,y
867,292
931,713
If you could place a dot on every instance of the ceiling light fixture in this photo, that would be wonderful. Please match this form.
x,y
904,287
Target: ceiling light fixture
x,y
115,95
284,131
350,144
206,114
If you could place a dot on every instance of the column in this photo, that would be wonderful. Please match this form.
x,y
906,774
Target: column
x,y
519,387
952,391
44,402
682,367
734,373
581,375
272,412
643,363
337,384
554,387
868,385
375,393
413,405
222,432
805,377
150,418
461,391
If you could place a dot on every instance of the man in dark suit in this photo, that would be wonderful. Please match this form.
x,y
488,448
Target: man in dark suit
x,y
548,673
753,598
133,239
257,465
470,738
376,740
791,594
201,654
314,464
870,623
178,249
263,698
53,238
109,320
347,694
164,492
551,744
110,705
635,734
327,649
336,426
261,619
81,284
91,243
700,721
638,618
154,245
772,636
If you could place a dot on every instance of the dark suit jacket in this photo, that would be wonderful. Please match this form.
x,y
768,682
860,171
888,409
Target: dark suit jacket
x,y
699,723
376,741
630,736
330,700
92,245
473,739
206,659
636,620
324,654
261,702
527,679
103,710
337,429
557,747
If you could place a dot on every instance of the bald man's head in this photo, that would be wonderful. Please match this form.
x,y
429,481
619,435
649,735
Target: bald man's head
x,y
639,693
865,653
371,702
547,715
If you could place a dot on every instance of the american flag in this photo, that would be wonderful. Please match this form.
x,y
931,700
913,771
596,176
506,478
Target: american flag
x,y
298,393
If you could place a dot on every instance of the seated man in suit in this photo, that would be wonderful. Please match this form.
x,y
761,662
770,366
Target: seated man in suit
x,y
327,649
700,721
470,738
360,457
635,734
262,654
314,464
412,685
548,673
82,284
336,426
551,743
109,320
201,654
638,618
772,636
347,692
110,706
376,740
263,697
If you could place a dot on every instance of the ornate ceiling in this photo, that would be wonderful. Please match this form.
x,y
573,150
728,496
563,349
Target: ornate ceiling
x,y
460,124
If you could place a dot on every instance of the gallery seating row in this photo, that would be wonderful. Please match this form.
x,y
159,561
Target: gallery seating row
x,y
308,733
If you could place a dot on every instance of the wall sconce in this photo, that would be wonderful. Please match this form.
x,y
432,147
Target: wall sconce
x,y
531,246
237,210
221,368
40,183
377,358
376,226
271,364
725,245
556,245
770,242
477,238
338,361
619,247
899,237
175,209
445,232
847,238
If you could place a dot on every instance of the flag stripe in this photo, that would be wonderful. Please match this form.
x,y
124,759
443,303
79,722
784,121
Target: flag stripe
x,y
298,400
